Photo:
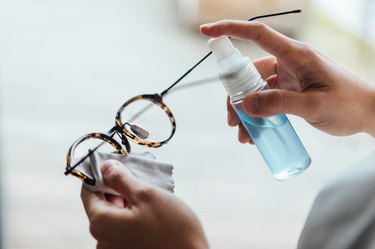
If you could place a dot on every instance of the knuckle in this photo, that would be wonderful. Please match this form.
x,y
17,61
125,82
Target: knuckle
x,y
259,25
306,51
280,100
276,99
259,29
115,175
273,103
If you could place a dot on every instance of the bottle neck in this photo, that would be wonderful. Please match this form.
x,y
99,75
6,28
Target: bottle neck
x,y
242,79
260,85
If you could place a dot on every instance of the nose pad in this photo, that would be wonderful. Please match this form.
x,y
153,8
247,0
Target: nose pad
x,y
140,132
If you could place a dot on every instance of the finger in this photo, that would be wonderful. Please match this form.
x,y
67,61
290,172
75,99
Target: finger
x,y
272,102
95,203
233,119
118,177
104,245
265,37
117,201
266,66
243,136
92,201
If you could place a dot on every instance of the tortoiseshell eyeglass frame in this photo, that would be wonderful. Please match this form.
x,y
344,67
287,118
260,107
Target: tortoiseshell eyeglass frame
x,y
156,99
108,139
124,134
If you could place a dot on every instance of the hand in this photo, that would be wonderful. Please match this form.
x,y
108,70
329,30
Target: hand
x,y
303,82
143,217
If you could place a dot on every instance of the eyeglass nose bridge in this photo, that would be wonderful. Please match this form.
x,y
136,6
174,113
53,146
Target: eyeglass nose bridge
x,y
124,140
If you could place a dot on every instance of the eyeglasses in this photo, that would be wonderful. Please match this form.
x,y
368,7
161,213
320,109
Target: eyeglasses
x,y
152,130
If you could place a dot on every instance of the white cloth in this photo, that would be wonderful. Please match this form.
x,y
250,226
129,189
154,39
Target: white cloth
x,y
343,214
142,165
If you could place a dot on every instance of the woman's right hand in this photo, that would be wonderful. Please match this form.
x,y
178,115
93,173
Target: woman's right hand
x,y
303,82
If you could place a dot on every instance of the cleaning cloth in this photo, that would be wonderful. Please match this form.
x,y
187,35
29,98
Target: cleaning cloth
x,y
142,165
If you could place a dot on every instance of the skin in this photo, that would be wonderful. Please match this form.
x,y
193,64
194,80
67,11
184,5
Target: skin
x,y
303,82
144,217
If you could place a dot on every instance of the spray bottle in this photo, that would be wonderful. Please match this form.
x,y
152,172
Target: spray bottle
x,y
274,136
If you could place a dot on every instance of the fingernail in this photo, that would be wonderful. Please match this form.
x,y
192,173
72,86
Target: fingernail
x,y
251,104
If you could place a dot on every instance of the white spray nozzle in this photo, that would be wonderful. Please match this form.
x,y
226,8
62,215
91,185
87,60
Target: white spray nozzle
x,y
227,56
221,47
238,74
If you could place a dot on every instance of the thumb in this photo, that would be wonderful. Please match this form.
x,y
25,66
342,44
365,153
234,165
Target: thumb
x,y
118,177
275,101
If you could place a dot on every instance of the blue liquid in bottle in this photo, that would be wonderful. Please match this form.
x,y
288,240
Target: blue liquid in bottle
x,y
278,143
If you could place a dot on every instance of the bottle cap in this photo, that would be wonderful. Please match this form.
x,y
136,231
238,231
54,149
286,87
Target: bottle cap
x,y
238,74
221,47
227,56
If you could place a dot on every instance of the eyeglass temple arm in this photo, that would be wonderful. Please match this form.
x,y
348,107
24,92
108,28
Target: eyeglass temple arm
x,y
165,92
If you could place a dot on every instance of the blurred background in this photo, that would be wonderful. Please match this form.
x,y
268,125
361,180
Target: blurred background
x,y
67,66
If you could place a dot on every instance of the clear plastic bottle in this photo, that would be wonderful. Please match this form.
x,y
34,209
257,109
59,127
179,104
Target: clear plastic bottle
x,y
274,136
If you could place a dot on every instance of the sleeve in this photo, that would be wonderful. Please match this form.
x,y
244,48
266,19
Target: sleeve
x,y
343,214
